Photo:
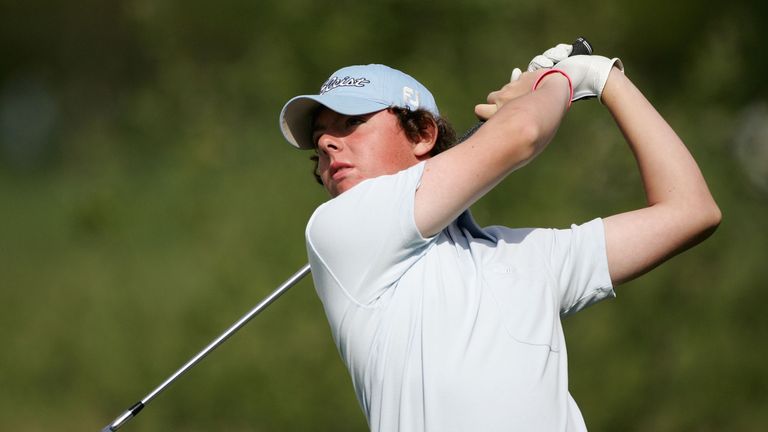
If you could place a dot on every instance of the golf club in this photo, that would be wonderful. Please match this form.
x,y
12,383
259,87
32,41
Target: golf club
x,y
138,406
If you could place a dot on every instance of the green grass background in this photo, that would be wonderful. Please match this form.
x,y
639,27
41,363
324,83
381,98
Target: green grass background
x,y
147,201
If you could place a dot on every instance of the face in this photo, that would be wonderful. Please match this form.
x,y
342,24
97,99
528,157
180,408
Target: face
x,y
354,148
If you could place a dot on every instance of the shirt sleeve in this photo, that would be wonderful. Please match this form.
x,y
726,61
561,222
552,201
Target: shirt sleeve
x,y
366,238
579,265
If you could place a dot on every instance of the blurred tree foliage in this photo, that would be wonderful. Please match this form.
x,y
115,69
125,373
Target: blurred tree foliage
x,y
147,200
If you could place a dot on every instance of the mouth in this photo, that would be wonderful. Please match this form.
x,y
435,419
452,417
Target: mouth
x,y
339,170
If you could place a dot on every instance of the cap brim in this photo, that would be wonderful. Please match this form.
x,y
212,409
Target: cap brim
x,y
296,116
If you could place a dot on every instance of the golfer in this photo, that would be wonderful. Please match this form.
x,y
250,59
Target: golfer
x,y
445,325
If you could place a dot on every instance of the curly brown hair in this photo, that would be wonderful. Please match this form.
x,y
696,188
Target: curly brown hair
x,y
415,124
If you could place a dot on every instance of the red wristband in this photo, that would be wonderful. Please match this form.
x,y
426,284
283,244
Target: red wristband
x,y
551,71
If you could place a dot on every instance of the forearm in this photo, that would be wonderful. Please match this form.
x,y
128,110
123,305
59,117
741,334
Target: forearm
x,y
523,125
669,173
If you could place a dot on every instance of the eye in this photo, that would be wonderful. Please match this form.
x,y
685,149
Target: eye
x,y
355,121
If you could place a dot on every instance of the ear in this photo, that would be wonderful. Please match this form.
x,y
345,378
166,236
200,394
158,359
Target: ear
x,y
427,140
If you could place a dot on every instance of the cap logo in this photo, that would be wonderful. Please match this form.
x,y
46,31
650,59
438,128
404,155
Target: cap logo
x,y
336,82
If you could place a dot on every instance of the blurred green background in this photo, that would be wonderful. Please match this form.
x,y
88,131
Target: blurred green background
x,y
147,200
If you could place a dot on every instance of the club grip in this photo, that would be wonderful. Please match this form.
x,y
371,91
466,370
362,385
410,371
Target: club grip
x,y
581,46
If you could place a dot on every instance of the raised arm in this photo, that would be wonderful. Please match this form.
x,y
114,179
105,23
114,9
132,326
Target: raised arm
x,y
523,125
680,210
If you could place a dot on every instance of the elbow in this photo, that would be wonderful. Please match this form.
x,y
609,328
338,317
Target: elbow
x,y
713,219
709,218
530,138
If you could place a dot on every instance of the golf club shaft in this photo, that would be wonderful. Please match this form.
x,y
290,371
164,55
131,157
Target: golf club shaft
x,y
138,406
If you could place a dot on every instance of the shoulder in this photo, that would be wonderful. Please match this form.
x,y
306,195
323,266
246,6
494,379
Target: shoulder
x,y
371,196
382,206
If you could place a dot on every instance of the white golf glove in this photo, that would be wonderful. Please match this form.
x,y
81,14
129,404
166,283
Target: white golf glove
x,y
550,57
547,59
588,74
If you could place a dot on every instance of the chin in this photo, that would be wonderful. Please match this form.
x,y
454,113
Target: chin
x,y
342,187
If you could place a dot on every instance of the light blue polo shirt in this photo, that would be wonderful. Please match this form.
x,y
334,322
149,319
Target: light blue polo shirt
x,y
457,332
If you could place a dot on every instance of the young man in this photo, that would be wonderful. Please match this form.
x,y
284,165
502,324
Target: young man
x,y
446,326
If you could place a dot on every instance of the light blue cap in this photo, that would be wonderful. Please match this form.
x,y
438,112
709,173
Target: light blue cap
x,y
354,90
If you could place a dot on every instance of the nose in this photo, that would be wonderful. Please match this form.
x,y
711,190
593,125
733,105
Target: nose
x,y
329,143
